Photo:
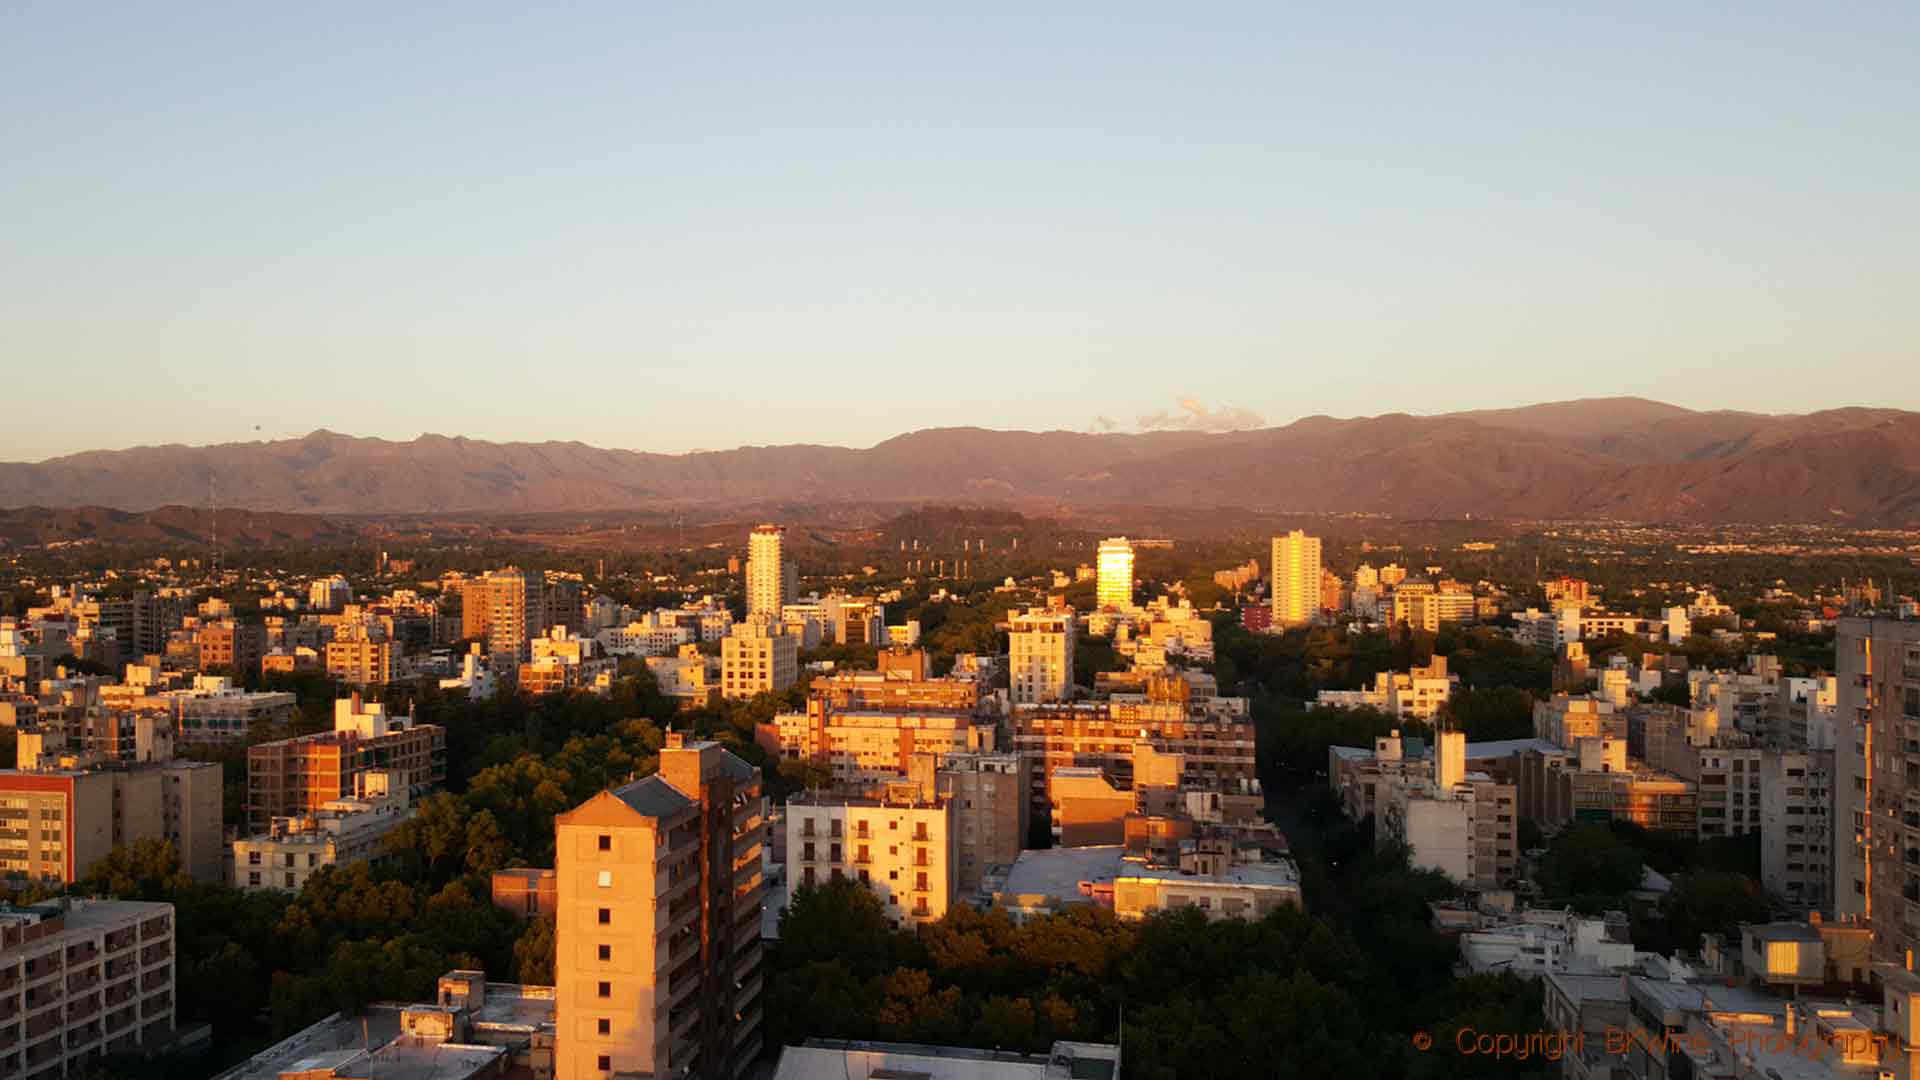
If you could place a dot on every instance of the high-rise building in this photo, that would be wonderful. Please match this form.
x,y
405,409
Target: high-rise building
x,y
1114,587
657,954
1879,682
1296,579
507,609
1040,655
772,581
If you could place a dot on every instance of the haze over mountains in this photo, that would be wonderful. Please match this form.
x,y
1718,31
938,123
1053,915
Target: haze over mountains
x,y
1626,458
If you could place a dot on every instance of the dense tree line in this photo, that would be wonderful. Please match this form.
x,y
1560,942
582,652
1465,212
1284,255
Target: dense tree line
x,y
1339,987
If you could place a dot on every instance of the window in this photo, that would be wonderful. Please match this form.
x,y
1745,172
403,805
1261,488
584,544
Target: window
x,y
605,1063
606,916
606,842
605,1026
289,880
606,952
606,989
253,858
253,877
606,879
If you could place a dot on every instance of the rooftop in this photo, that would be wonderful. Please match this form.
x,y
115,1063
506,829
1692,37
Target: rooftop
x,y
654,797
1278,873
833,1059
1059,871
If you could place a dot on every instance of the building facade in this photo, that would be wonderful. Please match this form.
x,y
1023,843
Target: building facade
x,y
81,980
1295,580
1040,645
657,956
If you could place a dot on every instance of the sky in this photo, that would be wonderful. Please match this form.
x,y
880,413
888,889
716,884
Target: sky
x,y
670,226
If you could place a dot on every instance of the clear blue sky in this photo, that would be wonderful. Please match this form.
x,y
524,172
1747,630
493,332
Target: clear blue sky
x,y
671,226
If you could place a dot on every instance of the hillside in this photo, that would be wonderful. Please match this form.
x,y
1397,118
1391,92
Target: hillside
x,y
1616,457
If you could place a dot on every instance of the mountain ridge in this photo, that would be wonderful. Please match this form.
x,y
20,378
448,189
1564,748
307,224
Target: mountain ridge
x,y
1627,457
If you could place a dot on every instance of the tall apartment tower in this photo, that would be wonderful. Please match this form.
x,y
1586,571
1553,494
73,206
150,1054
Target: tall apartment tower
x,y
1296,579
1040,655
1114,586
1878,721
508,609
657,951
772,581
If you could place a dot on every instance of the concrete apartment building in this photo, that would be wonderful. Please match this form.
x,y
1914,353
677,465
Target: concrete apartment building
x,y
340,833
1295,580
991,813
1463,824
657,960
1113,587
1796,827
772,579
297,776
67,811
867,726
1596,781
507,609
898,844
1213,736
361,661
1426,605
231,645
758,657
1564,719
215,710
1040,655
1414,695
81,980
1876,780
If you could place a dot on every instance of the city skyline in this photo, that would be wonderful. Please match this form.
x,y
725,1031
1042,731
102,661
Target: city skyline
x,y
1060,219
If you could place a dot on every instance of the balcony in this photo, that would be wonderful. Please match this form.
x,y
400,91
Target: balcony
x,y
155,980
157,1005
154,928
154,954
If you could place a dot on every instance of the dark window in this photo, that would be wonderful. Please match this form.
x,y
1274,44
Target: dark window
x,y
606,842
606,1063
606,989
606,916
606,1026
606,952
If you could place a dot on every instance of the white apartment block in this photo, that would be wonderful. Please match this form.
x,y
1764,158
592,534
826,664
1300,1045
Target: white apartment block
x,y
758,657
342,832
1040,655
770,577
900,846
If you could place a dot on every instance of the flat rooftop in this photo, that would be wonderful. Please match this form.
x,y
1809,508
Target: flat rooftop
x,y
321,1042
1272,874
1059,871
832,1059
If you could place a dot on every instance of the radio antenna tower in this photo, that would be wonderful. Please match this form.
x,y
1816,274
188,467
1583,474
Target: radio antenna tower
x,y
213,532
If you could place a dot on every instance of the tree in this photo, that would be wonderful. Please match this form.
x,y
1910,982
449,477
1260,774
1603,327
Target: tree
x,y
1708,902
533,953
1590,860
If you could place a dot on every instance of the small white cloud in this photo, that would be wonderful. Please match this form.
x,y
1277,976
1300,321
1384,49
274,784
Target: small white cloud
x,y
1193,415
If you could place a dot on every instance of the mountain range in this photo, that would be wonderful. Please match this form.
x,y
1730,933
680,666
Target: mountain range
x,y
1612,458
